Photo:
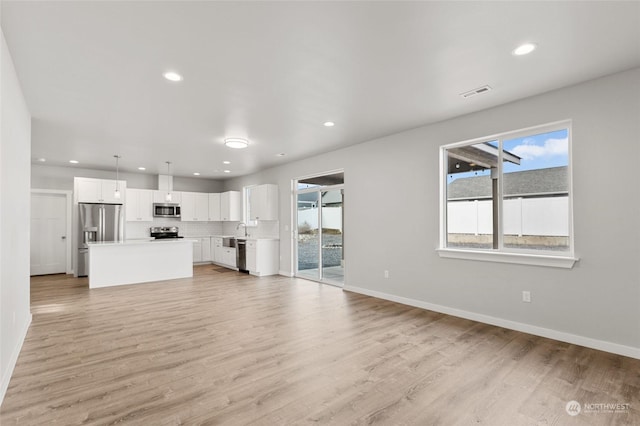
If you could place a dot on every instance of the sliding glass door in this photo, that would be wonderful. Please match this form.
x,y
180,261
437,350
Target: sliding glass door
x,y
308,236
331,256
320,230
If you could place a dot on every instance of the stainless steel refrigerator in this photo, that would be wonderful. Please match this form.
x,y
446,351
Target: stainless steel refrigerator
x,y
97,222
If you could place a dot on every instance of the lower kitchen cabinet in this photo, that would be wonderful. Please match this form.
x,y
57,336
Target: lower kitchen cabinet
x,y
202,250
229,256
216,249
263,257
221,255
197,250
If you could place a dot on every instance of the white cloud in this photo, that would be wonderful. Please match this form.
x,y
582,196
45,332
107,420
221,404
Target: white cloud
x,y
528,150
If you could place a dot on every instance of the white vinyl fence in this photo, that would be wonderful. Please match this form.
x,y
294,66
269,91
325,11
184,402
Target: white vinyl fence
x,y
331,217
545,216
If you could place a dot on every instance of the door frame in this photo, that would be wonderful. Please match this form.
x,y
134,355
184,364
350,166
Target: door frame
x,y
294,223
69,204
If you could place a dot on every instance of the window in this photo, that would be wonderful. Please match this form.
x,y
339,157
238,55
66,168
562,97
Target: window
x,y
508,197
246,196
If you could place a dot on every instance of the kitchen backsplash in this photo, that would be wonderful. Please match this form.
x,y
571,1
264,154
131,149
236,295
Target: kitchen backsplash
x,y
265,229
196,229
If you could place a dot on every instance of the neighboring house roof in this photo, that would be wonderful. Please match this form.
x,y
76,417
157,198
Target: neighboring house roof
x,y
551,181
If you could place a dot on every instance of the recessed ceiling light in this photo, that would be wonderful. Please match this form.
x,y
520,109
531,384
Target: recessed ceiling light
x,y
236,143
524,49
142,168
226,162
172,76
74,161
329,124
196,174
42,160
282,154
227,171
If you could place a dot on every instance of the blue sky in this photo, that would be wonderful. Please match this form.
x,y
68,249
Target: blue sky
x,y
536,152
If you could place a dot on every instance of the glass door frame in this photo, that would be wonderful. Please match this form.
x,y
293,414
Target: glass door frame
x,y
319,189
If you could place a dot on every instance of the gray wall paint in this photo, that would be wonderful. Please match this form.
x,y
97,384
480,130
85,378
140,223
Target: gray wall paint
x,y
56,177
15,153
392,223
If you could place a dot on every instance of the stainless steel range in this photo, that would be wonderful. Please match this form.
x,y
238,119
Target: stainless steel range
x,y
164,232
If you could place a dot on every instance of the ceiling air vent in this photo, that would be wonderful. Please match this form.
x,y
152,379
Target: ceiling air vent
x,y
478,91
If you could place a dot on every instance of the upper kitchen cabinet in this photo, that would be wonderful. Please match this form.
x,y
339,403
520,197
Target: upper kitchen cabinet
x,y
161,197
194,207
139,205
231,206
263,202
214,207
89,190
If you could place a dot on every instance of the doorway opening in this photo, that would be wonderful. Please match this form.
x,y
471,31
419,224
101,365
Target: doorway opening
x,y
319,242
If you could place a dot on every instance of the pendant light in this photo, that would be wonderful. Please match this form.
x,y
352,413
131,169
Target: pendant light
x,y
116,194
168,196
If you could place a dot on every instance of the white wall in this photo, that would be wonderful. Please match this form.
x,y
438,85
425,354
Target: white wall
x,y
392,223
15,153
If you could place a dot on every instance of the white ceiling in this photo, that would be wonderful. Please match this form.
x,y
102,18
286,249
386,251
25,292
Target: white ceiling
x,y
274,72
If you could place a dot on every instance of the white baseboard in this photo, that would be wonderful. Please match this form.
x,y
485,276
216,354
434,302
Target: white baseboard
x,y
500,322
285,274
4,384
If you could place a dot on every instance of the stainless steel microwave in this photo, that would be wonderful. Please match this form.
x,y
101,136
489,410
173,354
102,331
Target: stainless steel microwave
x,y
166,210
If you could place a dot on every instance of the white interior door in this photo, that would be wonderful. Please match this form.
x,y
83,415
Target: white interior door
x,y
48,234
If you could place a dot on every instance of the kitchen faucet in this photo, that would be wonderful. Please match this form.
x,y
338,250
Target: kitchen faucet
x,y
245,228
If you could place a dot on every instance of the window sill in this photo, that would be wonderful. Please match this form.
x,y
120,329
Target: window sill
x,y
565,262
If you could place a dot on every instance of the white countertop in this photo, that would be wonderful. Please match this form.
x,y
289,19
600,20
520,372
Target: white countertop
x,y
234,236
143,241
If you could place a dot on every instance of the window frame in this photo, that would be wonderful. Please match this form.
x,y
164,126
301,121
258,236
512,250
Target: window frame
x,y
245,204
564,259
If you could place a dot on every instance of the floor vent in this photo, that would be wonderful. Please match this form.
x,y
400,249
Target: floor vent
x,y
478,91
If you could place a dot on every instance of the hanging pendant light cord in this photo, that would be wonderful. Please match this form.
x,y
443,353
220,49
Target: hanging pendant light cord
x,y
117,194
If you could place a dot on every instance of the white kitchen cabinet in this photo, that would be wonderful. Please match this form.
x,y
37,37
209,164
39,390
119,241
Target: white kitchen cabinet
x,y
197,250
231,206
202,250
161,197
90,190
216,249
263,202
229,256
206,250
194,207
263,257
139,205
221,255
214,207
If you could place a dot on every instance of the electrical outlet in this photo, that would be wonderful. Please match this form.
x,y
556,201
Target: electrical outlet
x,y
526,296
386,274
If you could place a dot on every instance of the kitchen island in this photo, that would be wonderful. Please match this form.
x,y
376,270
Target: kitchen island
x,y
139,261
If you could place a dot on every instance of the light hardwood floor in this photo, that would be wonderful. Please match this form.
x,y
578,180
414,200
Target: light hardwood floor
x,y
228,348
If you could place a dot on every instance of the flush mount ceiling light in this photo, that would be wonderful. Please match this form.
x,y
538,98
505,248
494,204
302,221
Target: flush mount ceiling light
x,y
172,76
142,168
42,160
196,174
524,49
227,171
282,154
236,143
329,124
226,162
74,161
